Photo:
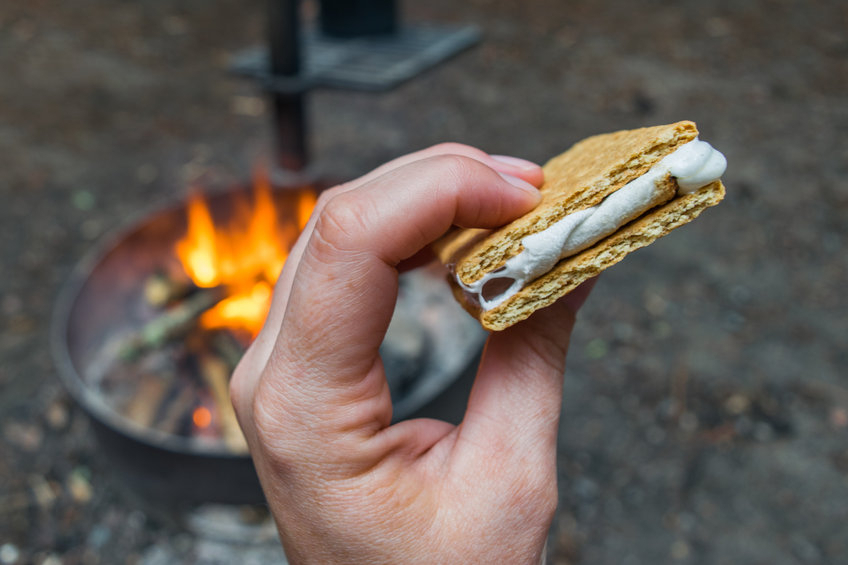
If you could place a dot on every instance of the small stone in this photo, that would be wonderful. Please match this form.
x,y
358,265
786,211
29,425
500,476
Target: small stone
x,y
9,554
680,550
83,200
79,486
586,489
597,349
25,436
251,106
99,536
838,417
57,415
737,404
43,491
655,304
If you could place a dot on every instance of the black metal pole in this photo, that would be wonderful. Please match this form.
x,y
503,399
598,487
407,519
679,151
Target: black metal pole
x,y
285,60
357,18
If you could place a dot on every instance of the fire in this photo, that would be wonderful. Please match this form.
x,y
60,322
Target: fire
x,y
241,309
245,256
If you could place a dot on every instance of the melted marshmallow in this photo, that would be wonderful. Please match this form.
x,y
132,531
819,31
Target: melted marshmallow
x,y
693,165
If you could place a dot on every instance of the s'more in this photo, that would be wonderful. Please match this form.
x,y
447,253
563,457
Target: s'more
x,y
605,197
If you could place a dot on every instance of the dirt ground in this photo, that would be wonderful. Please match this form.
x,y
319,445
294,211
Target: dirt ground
x,y
706,401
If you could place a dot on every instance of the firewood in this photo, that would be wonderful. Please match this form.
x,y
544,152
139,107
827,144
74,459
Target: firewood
x,y
170,324
161,289
228,347
216,374
146,400
176,410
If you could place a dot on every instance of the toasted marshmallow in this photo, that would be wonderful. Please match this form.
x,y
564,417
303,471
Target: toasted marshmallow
x,y
693,165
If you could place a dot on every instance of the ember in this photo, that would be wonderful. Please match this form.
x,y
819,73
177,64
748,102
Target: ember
x,y
201,417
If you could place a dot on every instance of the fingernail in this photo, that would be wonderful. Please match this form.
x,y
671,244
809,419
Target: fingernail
x,y
515,162
519,183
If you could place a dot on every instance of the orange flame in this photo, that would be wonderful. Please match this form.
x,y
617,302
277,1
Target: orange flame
x,y
246,256
240,310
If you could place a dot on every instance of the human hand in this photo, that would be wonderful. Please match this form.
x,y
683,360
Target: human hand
x,y
343,483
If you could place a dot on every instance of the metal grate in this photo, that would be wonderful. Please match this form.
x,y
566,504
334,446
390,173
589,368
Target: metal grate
x,y
365,63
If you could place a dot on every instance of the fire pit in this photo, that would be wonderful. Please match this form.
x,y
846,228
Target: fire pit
x,y
151,324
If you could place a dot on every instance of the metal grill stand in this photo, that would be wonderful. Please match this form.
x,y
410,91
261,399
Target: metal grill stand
x,y
366,58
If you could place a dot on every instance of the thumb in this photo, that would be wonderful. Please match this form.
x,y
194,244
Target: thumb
x,y
516,400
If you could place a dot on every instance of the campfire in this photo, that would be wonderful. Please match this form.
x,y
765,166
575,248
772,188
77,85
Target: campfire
x,y
152,322
202,306
245,256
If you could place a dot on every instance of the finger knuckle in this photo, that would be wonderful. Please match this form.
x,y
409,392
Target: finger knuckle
x,y
272,426
457,169
330,193
549,343
537,491
266,421
338,224
450,147
547,498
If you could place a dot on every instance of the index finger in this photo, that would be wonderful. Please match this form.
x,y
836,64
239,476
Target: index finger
x,y
344,290
248,371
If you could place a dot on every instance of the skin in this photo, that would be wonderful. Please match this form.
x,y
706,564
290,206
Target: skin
x,y
343,484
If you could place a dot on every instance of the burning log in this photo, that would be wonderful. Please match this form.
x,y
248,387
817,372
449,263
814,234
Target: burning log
x,y
161,290
216,375
208,299
174,369
170,324
176,413
144,404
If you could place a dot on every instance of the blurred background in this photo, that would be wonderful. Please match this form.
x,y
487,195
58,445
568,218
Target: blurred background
x,y
706,400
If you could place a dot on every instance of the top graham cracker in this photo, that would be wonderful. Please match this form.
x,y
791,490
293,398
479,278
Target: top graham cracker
x,y
579,178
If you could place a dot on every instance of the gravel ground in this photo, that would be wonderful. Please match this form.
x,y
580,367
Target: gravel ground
x,y
706,405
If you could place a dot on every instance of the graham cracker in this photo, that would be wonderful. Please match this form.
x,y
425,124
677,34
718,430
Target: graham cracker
x,y
579,178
